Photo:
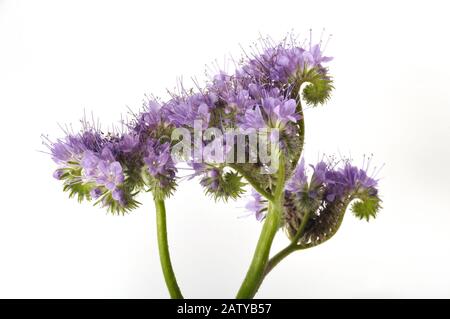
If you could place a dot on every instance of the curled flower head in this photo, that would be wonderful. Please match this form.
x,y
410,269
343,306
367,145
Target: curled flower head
x,y
326,197
262,94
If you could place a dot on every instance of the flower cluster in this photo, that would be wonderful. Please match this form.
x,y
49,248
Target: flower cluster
x,y
246,125
94,166
262,93
323,198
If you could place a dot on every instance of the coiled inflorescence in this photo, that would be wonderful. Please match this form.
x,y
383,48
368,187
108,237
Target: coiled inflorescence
x,y
263,93
321,200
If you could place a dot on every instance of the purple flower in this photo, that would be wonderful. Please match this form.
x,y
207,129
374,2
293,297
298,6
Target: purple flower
x,y
257,206
183,111
281,62
58,174
355,178
109,174
252,119
330,182
314,56
128,143
280,111
61,153
222,85
211,179
238,101
299,180
96,193
203,115
153,117
256,96
180,113
89,162
118,195
158,159
319,176
107,154
154,113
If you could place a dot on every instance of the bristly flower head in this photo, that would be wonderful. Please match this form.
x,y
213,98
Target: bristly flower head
x,y
330,190
220,183
160,167
263,92
91,165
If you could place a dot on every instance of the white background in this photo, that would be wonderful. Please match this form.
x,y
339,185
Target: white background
x,y
391,68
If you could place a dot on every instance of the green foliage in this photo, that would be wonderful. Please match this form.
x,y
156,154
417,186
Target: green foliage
x,y
76,187
319,88
230,185
161,187
79,190
366,207
114,207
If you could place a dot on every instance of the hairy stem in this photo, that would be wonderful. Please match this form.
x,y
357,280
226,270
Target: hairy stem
x,y
294,246
255,273
301,130
164,255
275,260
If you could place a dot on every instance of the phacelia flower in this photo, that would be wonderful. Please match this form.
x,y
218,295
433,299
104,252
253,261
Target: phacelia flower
x,y
109,174
299,180
253,119
157,158
283,61
280,111
257,206
330,190
161,168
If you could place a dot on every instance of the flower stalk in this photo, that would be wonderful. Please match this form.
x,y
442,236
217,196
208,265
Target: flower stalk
x,y
256,271
164,255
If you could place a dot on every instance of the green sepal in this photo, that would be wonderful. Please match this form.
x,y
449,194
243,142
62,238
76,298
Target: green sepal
x,y
230,186
161,187
366,207
319,87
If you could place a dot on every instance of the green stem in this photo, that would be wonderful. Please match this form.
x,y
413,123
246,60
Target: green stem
x,y
281,255
300,230
301,130
164,255
255,273
293,246
275,260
